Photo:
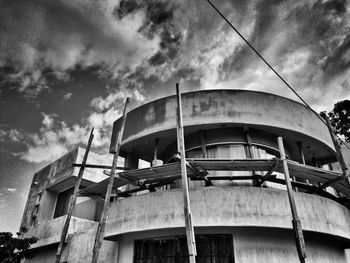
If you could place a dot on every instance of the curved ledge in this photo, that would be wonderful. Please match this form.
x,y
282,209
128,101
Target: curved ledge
x,y
227,206
212,108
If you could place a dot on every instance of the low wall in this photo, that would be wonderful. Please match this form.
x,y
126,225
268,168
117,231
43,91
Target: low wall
x,y
49,232
227,206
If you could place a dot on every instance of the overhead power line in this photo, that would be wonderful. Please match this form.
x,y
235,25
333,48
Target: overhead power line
x,y
278,75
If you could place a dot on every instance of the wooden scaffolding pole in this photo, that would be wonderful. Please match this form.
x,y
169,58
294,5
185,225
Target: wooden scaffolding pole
x,y
339,154
73,199
102,224
298,232
250,153
203,146
191,242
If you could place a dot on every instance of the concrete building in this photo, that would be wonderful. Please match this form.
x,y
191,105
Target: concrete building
x,y
240,211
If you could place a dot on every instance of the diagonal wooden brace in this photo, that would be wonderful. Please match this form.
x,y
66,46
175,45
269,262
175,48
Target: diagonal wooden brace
x,y
269,174
200,171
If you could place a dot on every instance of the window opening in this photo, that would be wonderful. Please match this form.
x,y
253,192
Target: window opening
x,y
63,202
210,249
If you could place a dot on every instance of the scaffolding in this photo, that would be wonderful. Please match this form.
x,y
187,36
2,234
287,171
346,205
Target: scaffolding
x,y
312,179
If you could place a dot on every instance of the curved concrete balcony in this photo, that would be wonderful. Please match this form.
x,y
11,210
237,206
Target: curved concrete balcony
x,y
211,109
227,207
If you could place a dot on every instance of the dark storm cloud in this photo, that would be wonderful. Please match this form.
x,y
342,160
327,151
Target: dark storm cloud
x,y
141,48
170,45
339,60
261,37
320,26
43,36
242,55
159,20
324,26
157,12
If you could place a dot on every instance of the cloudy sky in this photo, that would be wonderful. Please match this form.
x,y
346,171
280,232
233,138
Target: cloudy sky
x,y
66,66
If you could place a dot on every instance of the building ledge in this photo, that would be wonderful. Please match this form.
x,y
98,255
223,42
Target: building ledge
x,y
231,206
49,232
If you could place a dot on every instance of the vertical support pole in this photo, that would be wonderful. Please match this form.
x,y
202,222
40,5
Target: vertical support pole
x,y
301,152
102,224
73,199
339,154
250,152
302,156
298,232
191,242
155,152
204,148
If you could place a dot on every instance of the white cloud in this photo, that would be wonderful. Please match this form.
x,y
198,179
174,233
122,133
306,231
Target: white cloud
x,y
215,56
12,134
55,137
67,96
84,33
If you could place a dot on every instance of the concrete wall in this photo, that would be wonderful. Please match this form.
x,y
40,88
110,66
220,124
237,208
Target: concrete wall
x,y
213,108
45,255
275,246
79,246
78,249
252,245
227,206
56,177
49,232
86,208
258,219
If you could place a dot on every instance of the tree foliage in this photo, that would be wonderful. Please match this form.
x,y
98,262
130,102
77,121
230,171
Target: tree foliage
x,y
13,250
340,119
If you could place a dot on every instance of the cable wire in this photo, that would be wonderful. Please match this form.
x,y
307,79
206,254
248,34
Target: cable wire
x,y
279,76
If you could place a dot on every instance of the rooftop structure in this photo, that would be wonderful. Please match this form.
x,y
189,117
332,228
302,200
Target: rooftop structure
x,y
239,145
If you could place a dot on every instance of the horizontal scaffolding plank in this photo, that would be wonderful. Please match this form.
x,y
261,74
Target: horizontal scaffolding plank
x,y
97,166
234,164
318,175
172,171
150,173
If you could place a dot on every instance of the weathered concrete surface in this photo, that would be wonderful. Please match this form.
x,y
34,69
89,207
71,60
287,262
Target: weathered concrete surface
x,y
227,206
251,244
276,246
45,255
58,176
49,232
224,107
80,247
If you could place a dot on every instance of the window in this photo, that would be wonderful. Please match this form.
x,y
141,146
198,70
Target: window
x,y
210,249
223,151
38,199
63,202
236,151
36,210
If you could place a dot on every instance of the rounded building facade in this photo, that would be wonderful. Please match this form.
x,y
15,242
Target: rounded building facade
x,y
239,205
238,217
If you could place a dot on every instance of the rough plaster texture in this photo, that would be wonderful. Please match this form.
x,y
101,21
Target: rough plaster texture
x,y
49,232
276,246
80,247
223,107
251,245
227,206
60,172
44,255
